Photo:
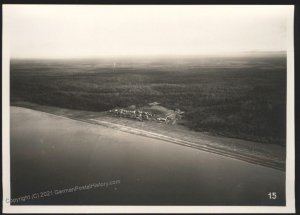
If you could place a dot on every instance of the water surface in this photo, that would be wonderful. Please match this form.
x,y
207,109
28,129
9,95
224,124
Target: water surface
x,y
50,153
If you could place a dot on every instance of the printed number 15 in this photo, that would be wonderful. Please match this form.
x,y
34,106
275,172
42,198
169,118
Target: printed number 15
x,y
272,195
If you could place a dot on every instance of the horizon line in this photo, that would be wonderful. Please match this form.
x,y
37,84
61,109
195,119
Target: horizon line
x,y
223,54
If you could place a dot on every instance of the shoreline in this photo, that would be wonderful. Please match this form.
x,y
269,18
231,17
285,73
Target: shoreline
x,y
204,142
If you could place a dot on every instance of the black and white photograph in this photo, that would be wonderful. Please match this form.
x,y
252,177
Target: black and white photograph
x,y
148,108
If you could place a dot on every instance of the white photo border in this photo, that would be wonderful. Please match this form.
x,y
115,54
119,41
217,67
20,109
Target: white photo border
x,y
290,149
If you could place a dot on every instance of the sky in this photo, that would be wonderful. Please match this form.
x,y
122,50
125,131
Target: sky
x,y
71,31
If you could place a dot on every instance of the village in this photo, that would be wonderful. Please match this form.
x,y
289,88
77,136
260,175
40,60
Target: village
x,y
168,117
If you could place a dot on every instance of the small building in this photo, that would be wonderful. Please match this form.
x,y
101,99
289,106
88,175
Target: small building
x,y
160,119
153,103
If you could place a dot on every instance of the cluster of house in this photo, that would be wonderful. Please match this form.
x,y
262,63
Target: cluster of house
x,y
140,115
132,114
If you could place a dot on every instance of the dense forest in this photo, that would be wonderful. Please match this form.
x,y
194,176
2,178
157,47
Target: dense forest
x,y
235,97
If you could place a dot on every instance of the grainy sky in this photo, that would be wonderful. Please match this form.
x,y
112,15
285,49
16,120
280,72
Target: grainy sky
x,y
57,31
